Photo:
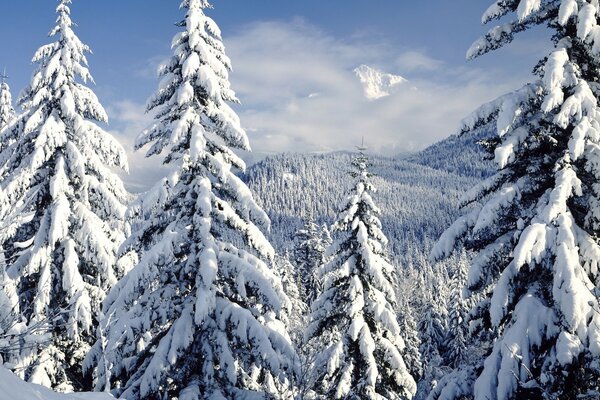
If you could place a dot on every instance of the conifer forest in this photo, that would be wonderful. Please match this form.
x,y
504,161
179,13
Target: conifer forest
x,y
467,269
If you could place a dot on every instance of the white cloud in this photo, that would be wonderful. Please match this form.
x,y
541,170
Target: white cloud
x,y
411,61
278,67
129,119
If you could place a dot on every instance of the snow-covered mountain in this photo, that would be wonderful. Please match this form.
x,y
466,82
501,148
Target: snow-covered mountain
x,y
461,155
377,84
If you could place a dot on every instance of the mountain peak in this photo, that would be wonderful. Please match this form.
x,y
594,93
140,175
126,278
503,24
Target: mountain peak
x,y
377,84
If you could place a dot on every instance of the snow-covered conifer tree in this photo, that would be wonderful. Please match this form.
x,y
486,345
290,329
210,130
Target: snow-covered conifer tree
x,y
326,239
200,315
431,328
62,210
7,111
535,224
457,335
309,256
9,308
298,309
359,341
412,342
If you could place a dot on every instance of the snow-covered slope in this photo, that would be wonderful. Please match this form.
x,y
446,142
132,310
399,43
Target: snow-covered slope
x,y
13,388
377,84
461,155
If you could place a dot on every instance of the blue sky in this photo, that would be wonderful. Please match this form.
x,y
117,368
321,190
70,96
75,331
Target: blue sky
x,y
293,63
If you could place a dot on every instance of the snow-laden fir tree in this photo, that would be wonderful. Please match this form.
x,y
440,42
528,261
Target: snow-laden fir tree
x,y
358,338
200,315
8,116
412,342
309,252
326,239
535,223
297,313
62,211
431,328
9,307
7,111
457,334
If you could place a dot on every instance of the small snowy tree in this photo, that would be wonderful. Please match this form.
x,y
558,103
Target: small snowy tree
x,y
359,341
9,307
200,315
309,256
457,335
298,309
62,210
326,239
535,224
432,330
408,327
7,112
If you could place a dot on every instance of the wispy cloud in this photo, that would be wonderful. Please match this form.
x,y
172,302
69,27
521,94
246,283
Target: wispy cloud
x,y
129,120
280,66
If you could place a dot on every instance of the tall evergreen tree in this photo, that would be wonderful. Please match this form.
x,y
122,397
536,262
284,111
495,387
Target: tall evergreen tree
x,y
62,210
309,256
432,328
354,322
199,316
535,224
408,327
456,340
298,309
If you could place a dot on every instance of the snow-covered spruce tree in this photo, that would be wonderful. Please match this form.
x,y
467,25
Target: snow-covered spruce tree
x,y
457,334
309,252
359,341
298,309
535,223
200,315
326,239
9,307
412,342
62,210
7,112
431,328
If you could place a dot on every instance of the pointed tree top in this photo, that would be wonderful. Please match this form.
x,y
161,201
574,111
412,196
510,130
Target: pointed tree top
x,y
361,161
196,4
3,76
64,13
362,148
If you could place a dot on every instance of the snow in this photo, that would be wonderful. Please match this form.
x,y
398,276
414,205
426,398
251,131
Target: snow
x,y
568,8
586,20
377,84
13,388
290,177
526,7
7,112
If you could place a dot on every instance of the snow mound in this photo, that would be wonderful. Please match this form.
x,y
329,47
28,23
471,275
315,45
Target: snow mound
x,y
13,388
377,84
290,177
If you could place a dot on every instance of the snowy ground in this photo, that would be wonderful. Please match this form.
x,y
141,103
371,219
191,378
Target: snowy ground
x,y
13,388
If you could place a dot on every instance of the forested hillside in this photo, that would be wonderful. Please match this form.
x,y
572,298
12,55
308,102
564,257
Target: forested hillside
x,y
418,195
462,155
